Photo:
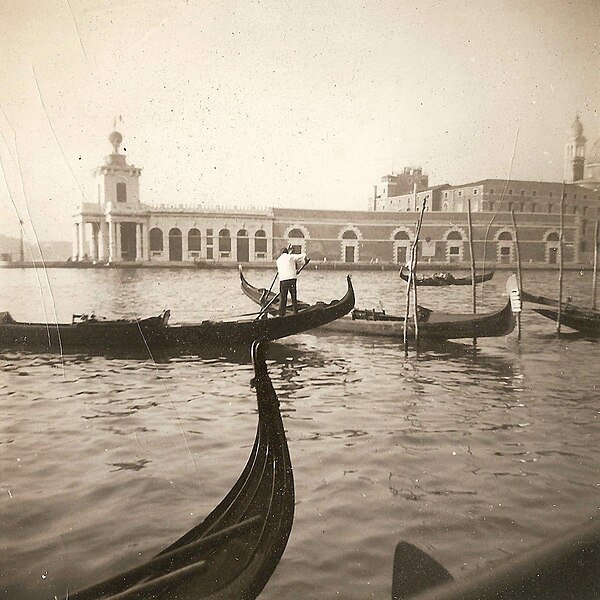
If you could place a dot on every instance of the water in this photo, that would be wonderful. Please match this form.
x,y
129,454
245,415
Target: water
x,y
473,455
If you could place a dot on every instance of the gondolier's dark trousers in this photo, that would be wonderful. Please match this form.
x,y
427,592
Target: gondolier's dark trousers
x,y
285,286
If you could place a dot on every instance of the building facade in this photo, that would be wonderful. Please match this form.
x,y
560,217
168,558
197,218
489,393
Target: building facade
x,y
119,228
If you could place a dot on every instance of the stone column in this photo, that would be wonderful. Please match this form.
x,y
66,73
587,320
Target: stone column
x,y
139,247
145,243
75,249
94,241
118,249
82,251
184,246
251,248
102,241
111,242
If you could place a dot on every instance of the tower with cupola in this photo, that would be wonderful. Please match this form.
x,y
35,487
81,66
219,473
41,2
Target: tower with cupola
x,y
575,153
118,182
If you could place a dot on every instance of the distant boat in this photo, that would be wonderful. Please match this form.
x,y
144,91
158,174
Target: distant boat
x,y
154,334
445,278
433,325
234,551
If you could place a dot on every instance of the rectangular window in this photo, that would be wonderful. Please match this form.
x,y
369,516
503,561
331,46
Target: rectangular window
x,y
510,192
121,192
549,194
522,192
209,253
534,193
533,207
474,192
492,191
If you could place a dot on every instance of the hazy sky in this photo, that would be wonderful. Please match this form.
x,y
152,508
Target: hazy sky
x,y
286,103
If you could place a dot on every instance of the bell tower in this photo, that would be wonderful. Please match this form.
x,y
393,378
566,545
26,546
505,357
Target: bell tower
x,y
118,182
575,153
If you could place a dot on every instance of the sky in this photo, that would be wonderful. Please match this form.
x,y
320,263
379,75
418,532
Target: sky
x,y
284,103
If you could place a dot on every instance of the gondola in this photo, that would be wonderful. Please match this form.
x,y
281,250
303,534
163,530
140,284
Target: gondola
x,y
446,278
584,320
155,334
234,551
567,567
587,322
433,325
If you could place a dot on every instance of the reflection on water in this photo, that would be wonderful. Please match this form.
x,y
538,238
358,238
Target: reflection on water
x,y
472,453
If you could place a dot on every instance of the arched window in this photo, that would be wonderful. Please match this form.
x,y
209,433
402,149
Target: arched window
x,y
505,247
243,246
552,237
401,247
260,242
454,246
194,240
350,246
224,242
296,237
296,233
175,244
156,240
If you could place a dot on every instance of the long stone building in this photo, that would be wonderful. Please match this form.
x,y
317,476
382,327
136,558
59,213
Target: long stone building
x,y
119,227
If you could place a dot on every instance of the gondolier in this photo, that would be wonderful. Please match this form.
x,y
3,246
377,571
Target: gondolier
x,y
288,266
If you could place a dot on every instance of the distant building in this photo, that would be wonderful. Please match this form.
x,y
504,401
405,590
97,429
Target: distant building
x,y
118,227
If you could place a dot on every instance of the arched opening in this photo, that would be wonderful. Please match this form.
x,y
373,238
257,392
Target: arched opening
x,y
349,246
505,247
454,246
194,242
260,244
156,241
401,247
175,244
243,246
224,243
297,241
552,247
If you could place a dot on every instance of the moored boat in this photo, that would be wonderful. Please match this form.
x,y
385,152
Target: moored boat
x,y
433,325
156,334
584,320
587,322
234,551
446,278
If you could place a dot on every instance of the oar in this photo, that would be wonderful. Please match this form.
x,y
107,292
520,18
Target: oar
x,y
268,304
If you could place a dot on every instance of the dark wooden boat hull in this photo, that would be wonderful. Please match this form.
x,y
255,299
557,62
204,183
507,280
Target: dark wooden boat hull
x,y
113,336
234,551
585,322
568,567
432,281
433,326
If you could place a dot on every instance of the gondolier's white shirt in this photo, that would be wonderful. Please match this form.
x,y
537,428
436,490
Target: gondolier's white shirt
x,y
288,265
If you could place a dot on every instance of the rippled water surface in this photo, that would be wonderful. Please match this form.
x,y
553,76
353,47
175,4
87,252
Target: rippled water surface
x,y
472,454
